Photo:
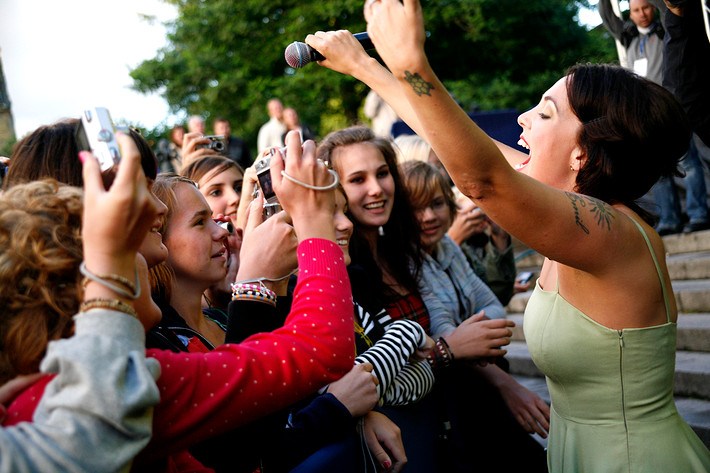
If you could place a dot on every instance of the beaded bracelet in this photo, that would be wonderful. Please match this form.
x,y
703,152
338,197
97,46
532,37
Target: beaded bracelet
x,y
111,304
135,288
250,294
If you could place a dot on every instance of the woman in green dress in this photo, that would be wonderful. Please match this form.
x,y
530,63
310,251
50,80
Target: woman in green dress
x,y
602,321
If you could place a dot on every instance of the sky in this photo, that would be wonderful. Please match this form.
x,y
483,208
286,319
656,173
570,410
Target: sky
x,y
63,56
60,57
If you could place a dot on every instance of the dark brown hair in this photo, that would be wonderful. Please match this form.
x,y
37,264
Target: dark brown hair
x,y
633,132
51,151
399,248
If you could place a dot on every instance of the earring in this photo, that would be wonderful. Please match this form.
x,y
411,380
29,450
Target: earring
x,y
381,230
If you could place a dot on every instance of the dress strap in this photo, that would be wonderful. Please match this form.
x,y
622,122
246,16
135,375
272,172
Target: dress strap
x,y
658,269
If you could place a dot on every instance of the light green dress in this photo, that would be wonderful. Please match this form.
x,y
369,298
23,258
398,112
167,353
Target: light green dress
x,y
611,391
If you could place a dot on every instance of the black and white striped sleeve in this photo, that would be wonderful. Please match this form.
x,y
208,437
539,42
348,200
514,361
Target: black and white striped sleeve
x,y
411,384
400,382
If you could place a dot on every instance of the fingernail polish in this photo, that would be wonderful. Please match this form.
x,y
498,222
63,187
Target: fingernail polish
x,y
386,464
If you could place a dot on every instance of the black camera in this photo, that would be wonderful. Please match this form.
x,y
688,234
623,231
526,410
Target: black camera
x,y
95,132
263,174
216,143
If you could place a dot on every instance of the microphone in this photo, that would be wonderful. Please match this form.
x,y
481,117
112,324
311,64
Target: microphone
x,y
299,54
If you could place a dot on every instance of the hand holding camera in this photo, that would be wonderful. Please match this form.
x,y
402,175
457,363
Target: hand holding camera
x,y
120,217
305,188
195,145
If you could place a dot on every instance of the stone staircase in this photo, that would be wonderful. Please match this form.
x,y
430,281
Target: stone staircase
x,y
688,259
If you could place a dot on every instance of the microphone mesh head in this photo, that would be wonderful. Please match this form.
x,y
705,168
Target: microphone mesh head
x,y
297,54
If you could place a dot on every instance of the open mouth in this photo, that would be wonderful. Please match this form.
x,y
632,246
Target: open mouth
x,y
523,144
155,228
520,166
375,205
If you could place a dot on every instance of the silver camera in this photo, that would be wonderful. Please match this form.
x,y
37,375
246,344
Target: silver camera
x,y
96,133
216,143
263,174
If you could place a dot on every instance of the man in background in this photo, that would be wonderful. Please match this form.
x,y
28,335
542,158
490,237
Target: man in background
x,y
235,148
642,38
270,132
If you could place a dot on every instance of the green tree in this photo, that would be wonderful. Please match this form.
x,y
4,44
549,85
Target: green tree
x,y
225,57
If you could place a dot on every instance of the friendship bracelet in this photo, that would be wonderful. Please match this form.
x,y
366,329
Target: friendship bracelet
x,y
249,288
330,186
254,297
111,304
102,279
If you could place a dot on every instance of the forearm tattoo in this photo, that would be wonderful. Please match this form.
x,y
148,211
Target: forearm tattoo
x,y
600,211
420,86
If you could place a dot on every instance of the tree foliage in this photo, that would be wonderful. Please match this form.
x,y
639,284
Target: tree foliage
x,y
226,57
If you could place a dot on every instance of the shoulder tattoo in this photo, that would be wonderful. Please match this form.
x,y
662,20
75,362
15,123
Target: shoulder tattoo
x,y
600,211
420,86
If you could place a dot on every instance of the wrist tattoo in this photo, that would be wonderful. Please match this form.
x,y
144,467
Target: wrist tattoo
x,y
601,212
420,86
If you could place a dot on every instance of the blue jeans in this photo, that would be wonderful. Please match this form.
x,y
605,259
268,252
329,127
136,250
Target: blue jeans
x,y
665,193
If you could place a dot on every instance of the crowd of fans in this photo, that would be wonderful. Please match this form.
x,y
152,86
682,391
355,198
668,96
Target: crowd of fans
x,y
155,318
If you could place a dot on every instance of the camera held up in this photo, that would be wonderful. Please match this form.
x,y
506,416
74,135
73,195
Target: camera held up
x,y
216,143
263,174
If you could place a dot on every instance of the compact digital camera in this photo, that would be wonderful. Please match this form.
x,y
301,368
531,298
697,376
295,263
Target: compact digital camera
x,y
96,133
263,174
216,143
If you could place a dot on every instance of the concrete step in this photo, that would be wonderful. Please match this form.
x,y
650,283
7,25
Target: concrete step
x,y
687,242
682,266
691,296
692,370
693,331
696,412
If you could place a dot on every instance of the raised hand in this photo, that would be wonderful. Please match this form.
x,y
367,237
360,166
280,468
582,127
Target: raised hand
x,y
190,152
116,221
305,189
397,31
342,51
